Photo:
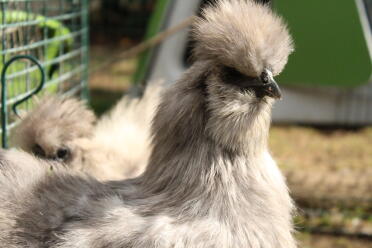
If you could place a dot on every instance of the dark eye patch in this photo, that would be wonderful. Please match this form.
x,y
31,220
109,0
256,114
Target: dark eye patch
x,y
38,151
63,153
231,76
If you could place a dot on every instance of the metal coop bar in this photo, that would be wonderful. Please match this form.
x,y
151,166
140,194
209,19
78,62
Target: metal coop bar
x,y
42,41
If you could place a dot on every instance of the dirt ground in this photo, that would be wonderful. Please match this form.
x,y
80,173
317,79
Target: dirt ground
x,y
329,170
114,77
306,240
322,148
326,164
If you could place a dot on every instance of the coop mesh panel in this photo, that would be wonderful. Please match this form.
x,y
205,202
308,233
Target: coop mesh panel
x,y
55,32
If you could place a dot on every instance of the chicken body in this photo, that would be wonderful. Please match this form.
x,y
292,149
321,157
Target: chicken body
x,y
210,181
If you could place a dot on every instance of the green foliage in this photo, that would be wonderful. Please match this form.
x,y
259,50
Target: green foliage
x,y
58,38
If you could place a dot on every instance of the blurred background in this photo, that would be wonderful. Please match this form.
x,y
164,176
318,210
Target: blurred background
x,y
322,133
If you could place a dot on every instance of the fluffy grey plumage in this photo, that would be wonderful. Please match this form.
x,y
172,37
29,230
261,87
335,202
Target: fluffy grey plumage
x,y
49,131
120,146
120,140
210,181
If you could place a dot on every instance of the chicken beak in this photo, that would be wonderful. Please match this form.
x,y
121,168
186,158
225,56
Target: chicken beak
x,y
273,90
271,86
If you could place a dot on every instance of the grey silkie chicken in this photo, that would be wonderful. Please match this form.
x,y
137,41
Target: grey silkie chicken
x,y
210,180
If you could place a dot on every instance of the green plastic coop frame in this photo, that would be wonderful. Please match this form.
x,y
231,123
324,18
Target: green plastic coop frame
x,y
331,48
44,46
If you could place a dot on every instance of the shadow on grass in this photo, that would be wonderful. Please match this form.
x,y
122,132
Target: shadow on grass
x,y
103,100
327,129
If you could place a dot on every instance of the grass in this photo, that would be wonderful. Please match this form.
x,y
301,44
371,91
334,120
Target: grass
x,y
114,77
323,149
307,240
329,174
99,97
325,168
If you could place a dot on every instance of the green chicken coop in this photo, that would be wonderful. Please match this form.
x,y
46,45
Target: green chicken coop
x,y
328,78
44,47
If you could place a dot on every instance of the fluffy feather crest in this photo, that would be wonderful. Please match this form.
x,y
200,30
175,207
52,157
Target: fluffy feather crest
x,y
54,121
244,35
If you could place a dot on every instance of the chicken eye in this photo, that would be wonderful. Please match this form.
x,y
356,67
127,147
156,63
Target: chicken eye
x,y
38,151
234,77
265,78
63,153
